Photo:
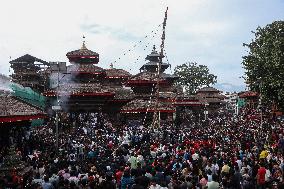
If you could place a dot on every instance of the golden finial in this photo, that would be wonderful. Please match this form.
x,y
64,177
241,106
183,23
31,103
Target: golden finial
x,y
83,46
111,65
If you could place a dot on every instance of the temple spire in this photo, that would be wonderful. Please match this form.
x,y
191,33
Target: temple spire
x,y
154,48
83,45
83,55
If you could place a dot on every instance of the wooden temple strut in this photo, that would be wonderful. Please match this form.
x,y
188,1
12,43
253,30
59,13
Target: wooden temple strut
x,y
156,116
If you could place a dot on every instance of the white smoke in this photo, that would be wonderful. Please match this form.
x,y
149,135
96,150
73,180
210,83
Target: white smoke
x,y
5,83
59,82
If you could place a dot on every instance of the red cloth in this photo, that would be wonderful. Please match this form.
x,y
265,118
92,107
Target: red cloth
x,y
118,176
261,175
91,178
196,145
16,179
110,145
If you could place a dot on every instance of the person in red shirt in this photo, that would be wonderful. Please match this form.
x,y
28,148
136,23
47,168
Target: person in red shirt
x,y
118,176
261,177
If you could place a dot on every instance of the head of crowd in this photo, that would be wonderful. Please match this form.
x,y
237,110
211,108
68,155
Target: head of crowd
x,y
224,151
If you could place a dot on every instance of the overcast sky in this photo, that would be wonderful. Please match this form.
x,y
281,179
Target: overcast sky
x,y
209,32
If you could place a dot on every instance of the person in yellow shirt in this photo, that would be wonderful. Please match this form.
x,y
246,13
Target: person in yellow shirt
x,y
263,154
225,168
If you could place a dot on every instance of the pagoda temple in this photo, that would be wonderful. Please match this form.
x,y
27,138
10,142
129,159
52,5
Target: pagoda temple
x,y
212,97
250,98
13,109
89,88
28,72
16,116
144,86
115,79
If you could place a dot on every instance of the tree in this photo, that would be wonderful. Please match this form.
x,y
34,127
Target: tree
x,y
192,76
264,63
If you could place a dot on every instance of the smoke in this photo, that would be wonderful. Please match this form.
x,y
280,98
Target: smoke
x,y
61,83
58,83
5,83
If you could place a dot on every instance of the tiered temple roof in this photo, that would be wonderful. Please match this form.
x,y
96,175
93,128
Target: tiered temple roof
x,y
144,78
12,109
83,51
123,94
82,89
144,86
83,55
140,105
208,89
248,94
28,72
90,87
27,59
171,77
85,69
188,100
153,64
211,95
117,73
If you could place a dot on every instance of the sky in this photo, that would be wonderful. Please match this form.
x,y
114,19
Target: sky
x,y
209,32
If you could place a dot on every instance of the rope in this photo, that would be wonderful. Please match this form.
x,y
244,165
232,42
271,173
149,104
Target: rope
x,y
144,120
137,44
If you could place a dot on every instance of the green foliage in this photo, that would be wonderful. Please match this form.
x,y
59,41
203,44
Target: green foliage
x,y
192,76
264,63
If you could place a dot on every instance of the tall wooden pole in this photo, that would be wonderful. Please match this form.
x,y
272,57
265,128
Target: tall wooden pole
x,y
156,117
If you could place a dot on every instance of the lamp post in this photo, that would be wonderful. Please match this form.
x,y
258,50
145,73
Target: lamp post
x,y
57,108
56,130
237,108
60,67
260,103
206,111
259,107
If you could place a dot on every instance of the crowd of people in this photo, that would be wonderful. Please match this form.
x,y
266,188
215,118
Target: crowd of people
x,y
224,151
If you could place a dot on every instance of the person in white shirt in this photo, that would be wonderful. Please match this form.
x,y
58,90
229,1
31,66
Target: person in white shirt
x,y
195,156
239,162
154,185
209,175
267,175
37,179
133,161
74,179
153,153
140,159
213,184
215,169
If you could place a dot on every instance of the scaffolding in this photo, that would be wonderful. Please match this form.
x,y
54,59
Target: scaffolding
x,y
29,96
